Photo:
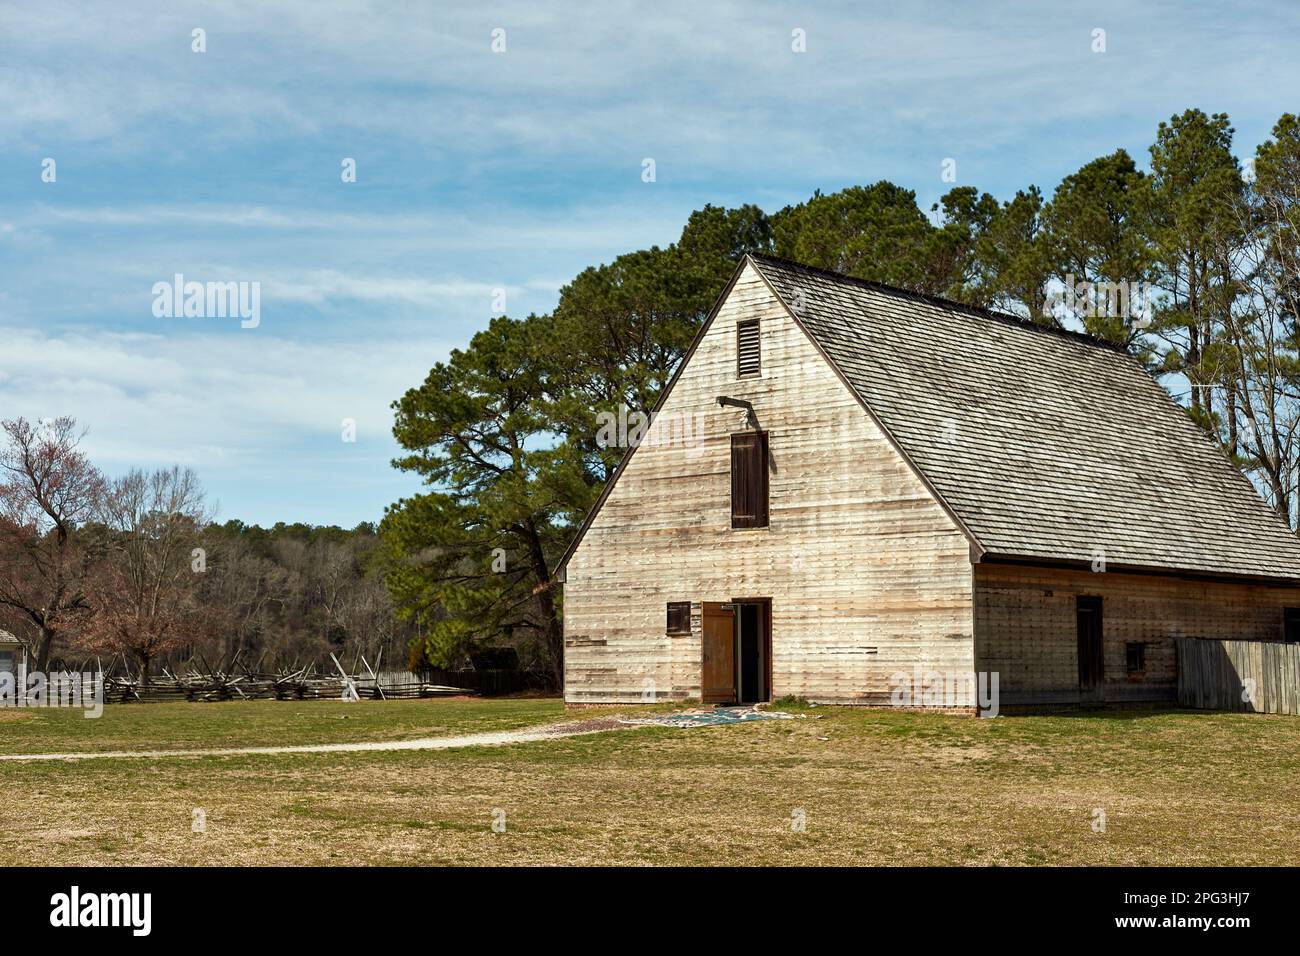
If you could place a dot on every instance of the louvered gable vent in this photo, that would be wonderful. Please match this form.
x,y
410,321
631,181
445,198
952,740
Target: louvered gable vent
x,y
748,359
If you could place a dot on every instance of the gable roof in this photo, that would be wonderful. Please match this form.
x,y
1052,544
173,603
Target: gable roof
x,y
1047,445
1044,445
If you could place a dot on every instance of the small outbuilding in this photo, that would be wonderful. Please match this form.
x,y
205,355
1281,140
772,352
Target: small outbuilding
x,y
13,658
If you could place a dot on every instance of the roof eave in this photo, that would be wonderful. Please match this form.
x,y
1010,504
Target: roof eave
x,y
1076,564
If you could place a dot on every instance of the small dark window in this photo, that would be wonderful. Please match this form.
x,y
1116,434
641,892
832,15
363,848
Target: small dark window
x,y
1136,655
1291,625
748,357
749,480
679,617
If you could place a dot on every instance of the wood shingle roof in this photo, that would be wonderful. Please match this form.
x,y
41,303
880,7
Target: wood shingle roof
x,y
1045,445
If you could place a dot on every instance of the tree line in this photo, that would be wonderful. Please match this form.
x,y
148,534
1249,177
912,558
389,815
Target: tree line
x,y
1190,260
135,566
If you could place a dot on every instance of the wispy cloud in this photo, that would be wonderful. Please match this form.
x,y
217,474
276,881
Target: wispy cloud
x,y
479,171
600,86
214,389
238,405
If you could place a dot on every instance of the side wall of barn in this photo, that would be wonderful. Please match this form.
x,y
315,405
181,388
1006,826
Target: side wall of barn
x,y
1026,627
868,576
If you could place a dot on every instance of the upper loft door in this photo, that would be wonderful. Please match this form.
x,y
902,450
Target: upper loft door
x,y
718,685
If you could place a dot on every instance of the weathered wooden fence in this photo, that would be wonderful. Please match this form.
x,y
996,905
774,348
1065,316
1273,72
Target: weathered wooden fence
x,y
489,682
1256,676
302,684
196,679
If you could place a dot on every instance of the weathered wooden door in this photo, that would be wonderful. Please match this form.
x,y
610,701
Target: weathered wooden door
x,y
1092,668
719,682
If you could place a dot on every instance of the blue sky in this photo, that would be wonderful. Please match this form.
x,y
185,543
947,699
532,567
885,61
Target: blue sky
x,y
479,170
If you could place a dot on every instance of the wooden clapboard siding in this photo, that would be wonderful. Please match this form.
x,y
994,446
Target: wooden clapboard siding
x,y
1025,626
867,573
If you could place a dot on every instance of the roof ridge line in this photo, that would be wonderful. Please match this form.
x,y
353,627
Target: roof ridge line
x,y
977,311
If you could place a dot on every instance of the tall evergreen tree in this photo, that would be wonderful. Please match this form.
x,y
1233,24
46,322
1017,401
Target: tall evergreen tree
x,y
1093,239
1011,268
470,559
872,232
1195,184
966,216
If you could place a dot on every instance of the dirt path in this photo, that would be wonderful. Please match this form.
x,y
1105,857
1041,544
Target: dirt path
x,y
488,739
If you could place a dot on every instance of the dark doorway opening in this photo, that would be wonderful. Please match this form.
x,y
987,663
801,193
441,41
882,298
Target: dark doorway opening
x,y
753,650
1092,666
1291,625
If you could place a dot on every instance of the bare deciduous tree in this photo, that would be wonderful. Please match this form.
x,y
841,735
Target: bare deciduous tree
x,y
48,489
1257,358
145,589
244,594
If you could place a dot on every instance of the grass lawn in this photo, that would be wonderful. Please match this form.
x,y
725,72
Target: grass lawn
x,y
875,787
254,723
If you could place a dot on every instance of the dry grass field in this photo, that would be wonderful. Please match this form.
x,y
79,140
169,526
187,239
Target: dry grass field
x,y
874,786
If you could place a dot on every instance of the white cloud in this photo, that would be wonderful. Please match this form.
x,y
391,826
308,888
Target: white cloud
x,y
235,399
703,84
620,224
438,266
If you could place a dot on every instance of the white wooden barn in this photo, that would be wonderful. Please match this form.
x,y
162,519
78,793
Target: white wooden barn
x,y
844,482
